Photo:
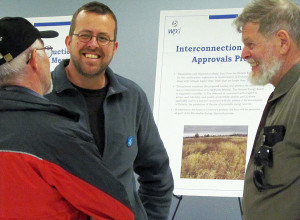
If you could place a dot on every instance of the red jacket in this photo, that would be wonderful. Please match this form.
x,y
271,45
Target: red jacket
x,y
49,169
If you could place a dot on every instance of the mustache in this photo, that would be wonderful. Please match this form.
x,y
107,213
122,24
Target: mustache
x,y
97,51
251,60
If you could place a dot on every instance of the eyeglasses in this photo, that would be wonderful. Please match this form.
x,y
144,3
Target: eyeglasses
x,y
48,51
263,157
102,40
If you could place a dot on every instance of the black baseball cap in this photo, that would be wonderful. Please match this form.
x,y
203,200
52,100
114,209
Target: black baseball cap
x,y
16,35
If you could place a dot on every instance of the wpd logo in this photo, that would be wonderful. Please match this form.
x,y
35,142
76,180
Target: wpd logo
x,y
174,23
175,29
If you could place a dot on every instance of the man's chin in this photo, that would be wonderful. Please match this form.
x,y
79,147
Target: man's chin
x,y
90,74
257,79
88,71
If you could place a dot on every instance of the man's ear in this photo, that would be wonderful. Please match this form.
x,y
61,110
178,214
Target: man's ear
x,y
33,61
284,40
116,44
68,42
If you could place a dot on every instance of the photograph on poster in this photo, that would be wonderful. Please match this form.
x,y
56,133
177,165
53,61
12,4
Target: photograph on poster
x,y
214,152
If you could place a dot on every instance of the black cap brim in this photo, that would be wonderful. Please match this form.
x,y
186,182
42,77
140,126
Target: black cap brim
x,y
48,34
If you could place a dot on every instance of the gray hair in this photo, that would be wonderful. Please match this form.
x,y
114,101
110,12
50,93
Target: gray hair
x,y
14,71
272,16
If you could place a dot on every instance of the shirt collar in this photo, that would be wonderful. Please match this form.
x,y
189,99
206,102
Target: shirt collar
x,y
23,90
287,82
62,83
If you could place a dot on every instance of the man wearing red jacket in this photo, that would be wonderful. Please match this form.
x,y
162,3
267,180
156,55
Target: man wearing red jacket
x,y
42,174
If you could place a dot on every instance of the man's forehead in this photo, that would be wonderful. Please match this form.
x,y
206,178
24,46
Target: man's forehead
x,y
250,27
251,30
84,21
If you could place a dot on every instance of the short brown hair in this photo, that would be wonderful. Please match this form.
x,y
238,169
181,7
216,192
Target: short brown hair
x,y
95,7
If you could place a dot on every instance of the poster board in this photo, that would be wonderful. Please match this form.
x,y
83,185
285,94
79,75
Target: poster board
x,y
206,110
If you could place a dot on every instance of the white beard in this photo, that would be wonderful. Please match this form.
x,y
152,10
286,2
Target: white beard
x,y
268,71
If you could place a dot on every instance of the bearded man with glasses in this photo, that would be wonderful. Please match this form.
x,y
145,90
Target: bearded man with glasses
x,y
271,36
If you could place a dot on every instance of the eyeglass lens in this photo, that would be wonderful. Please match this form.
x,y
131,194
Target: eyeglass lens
x,y
259,178
48,51
264,156
102,40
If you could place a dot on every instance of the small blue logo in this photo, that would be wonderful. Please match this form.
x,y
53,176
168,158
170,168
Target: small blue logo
x,y
175,28
174,23
129,141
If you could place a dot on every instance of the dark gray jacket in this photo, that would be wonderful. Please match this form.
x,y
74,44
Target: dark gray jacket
x,y
127,116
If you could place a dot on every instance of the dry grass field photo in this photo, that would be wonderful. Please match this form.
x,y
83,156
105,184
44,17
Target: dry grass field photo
x,y
214,156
